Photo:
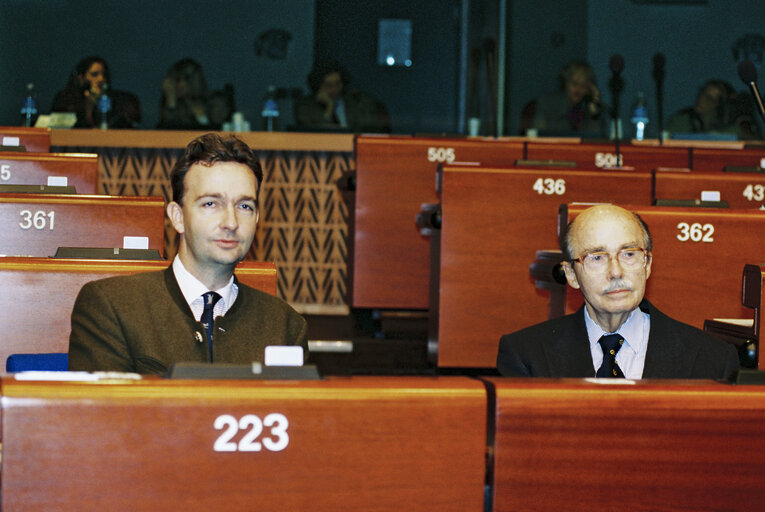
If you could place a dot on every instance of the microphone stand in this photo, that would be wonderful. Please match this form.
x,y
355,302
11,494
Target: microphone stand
x,y
616,84
658,76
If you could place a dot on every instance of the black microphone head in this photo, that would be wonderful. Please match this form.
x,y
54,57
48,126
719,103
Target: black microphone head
x,y
616,64
659,61
747,72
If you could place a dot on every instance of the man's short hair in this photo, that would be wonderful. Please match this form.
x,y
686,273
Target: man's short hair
x,y
564,240
209,149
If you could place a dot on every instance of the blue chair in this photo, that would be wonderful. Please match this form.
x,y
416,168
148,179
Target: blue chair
x,y
57,362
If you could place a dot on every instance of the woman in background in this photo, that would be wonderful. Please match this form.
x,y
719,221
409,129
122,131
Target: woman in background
x,y
89,81
184,104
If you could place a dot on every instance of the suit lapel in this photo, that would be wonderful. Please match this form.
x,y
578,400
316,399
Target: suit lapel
x,y
666,355
568,351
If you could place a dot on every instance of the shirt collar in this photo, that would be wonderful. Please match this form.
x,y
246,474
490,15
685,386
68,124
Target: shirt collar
x,y
192,288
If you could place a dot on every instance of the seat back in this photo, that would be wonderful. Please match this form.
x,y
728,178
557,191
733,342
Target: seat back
x,y
55,361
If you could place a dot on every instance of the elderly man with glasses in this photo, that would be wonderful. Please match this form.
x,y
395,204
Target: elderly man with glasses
x,y
617,333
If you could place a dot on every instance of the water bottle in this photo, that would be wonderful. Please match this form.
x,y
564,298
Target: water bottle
x,y
104,107
270,110
29,108
639,117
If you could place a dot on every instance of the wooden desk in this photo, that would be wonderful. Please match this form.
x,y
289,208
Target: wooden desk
x,y
715,160
35,140
371,444
394,176
37,224
39,293
697,259
493,222
572,445
603,155
80,170
740,190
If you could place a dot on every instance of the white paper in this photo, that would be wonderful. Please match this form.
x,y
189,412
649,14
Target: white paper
x,y
10,141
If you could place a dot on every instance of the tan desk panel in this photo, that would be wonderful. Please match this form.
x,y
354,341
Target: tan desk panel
x,y
395,175
692,279
79,169
372,444
570,445
493,222
37,224
271,141
35,140
38,295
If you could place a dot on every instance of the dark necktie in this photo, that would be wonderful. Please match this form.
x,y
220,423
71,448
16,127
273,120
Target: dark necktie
x,y
611,343
209,298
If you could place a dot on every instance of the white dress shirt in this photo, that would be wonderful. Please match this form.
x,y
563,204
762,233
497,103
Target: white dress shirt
x,y
631,357
192,290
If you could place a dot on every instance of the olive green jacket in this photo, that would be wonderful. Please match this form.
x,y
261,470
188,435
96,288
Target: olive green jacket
x,y
142,323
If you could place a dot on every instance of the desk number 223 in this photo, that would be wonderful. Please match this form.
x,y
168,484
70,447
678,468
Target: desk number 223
x,y
253,427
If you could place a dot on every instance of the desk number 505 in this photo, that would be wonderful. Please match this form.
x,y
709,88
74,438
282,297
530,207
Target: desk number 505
x,y
252,426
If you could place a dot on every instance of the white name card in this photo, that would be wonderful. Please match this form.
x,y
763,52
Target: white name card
x,y
57,181
135,242
278,355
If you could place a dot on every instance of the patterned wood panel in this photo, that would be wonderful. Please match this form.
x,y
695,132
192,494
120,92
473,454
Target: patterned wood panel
x,y
303,225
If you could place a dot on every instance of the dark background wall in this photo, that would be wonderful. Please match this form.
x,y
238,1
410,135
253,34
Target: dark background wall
x,y
421,98
41,40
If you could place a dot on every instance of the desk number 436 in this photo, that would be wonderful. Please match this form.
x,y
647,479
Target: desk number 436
x,y
252,426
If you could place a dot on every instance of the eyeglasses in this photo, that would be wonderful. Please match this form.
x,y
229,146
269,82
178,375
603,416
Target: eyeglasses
x,y
630,258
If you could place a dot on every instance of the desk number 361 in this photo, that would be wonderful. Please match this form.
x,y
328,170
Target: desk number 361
x,y
277,439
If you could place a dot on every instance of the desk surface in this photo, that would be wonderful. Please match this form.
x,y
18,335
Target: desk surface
x,y
372,444
179,139
661,445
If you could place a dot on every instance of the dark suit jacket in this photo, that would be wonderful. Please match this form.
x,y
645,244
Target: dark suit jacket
x,y
560,348
142,323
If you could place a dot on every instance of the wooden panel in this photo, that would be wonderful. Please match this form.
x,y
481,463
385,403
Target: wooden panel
x,y
39,293
394,176
372,444
588,155
80,170
740,190
695,280
573,445
37,224
708,159
35,140
493,222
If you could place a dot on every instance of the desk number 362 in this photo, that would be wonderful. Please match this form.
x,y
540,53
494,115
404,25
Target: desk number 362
x,y
252,426
695,232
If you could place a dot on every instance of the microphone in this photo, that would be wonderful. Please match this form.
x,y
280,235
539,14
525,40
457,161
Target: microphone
x,y
659,62
616,84
748,74
616,63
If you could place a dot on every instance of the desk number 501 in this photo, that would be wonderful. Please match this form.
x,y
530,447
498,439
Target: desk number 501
x,y
253,427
